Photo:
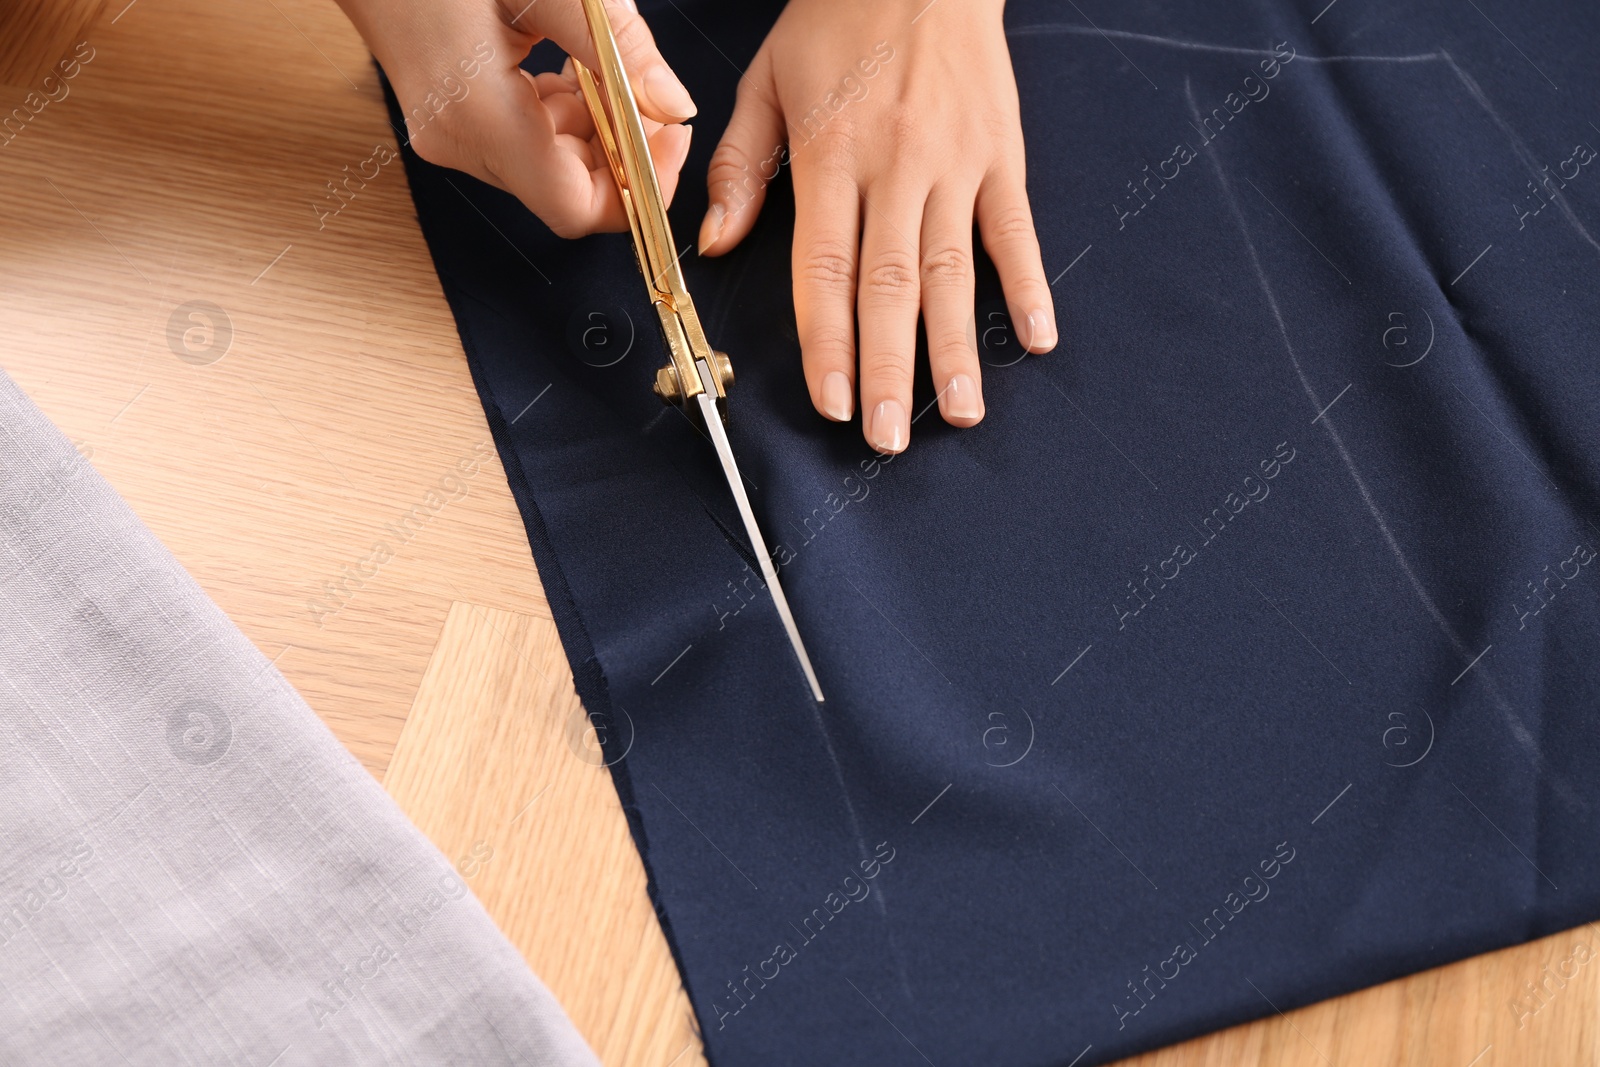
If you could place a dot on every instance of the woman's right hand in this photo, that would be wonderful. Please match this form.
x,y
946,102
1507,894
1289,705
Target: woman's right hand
x,y
469,106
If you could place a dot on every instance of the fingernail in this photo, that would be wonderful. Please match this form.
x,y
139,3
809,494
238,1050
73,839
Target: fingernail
x,y
631,6
1041,330
837,402
890,429
962,399
711,229
668,93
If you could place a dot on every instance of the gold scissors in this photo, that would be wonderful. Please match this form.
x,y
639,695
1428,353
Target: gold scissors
x,y
696,377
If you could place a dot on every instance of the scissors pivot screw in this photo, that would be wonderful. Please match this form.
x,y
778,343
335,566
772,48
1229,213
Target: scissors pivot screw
x,y
666,386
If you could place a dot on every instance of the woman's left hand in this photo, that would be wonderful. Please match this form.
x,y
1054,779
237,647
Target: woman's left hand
x,y
901,122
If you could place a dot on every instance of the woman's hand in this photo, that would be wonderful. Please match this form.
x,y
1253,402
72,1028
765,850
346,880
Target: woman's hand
x,y
453,65
901,123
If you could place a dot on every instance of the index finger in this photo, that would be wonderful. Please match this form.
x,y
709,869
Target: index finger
x,y
827,227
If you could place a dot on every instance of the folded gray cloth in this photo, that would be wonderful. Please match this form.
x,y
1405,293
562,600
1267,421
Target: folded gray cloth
x,y
192,869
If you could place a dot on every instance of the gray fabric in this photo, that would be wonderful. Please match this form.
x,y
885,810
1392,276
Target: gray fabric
x,y
192,869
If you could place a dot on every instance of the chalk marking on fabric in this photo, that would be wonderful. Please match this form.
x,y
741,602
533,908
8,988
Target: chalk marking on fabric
x,y
1502,833
1471,665
1481,1055
1290,1021
861,843
1102,833
113,22
890,1021
702,833
1517,146
1332,402
931,803
1202,46
1080,1055
1513,724
1113,44
1474,263
674,662
1073,664
1332,802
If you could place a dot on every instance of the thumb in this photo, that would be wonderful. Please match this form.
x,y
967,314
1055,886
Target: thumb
x,y
747,159
558,175
660,94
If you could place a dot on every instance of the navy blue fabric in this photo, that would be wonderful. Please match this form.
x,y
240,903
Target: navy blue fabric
x,y
1243,656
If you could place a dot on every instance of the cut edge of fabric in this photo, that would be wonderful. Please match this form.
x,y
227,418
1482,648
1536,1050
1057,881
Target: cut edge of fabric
x,y
589,680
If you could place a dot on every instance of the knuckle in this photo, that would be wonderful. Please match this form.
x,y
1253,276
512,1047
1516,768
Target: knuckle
x,y
729,163
831,267
1003,128
885,370
903,125
828,339
893,276
946,266
836,150
950,346
1012,225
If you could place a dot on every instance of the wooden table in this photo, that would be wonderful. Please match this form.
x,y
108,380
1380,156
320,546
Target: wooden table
x,y
274,392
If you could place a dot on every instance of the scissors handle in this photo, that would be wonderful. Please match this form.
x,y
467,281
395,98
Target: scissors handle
x,y
622,137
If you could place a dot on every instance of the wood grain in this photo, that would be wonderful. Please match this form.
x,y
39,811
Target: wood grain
x,y
187,163
36,34
500,767
184,167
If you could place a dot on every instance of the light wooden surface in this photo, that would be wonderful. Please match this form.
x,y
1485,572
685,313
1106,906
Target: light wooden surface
x,y
185,163
499,760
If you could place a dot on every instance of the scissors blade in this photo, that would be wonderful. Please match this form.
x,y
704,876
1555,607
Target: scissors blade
x,y
730,470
